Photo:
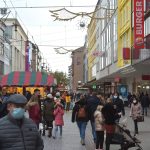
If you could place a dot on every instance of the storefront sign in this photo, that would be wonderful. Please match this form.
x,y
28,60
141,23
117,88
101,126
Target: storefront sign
x,y
145,77
138,24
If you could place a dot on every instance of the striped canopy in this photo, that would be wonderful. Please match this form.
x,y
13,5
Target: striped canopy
x,y
18,78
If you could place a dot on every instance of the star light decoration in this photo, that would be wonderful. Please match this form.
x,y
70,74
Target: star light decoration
x,y
62,50
64,14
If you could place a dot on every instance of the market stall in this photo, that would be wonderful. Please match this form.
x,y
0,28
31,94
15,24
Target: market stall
x,y
21,81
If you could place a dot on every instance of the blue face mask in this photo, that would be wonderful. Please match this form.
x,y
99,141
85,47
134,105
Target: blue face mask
x,y
18,113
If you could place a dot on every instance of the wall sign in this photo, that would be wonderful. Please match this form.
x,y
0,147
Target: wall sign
x,y
138,24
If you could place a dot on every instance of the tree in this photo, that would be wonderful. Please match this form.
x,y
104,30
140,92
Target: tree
x,y
61,78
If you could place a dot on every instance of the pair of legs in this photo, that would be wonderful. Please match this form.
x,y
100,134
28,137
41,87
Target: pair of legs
x,y
93,131
82,127
144,111
56,130
136,131
99,139
67,106
109,137
49,125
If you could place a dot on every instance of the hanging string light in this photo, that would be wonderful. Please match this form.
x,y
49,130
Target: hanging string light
x,y
64,14
62,50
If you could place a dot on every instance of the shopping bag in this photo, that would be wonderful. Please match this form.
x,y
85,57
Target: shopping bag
x,y
140,118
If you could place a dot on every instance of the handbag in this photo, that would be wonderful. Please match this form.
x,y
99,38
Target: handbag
x,y
140,118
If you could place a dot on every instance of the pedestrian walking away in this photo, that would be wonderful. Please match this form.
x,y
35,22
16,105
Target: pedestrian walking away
x,y
110,117
99,127
59,122
92,102
79,114
16,131
33,107
48,113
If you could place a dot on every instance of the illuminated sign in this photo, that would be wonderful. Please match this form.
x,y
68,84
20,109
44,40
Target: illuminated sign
x,y
138,24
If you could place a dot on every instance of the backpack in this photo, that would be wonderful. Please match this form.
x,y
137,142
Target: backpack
x,y
81,113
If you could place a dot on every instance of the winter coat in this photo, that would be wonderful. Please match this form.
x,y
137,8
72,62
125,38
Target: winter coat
x,y
99,121
19,136
34,109
109,114
77,106
119,105
136,110
92,103
58,114
145,101
35,113
48,109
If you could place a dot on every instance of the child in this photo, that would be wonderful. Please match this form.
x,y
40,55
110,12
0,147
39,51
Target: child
x,y
99,127
58,114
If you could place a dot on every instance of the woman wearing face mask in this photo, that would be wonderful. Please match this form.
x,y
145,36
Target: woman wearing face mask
x,y
17,131
136,110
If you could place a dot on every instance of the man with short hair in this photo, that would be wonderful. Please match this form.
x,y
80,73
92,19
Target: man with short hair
x,y
16,131
92,101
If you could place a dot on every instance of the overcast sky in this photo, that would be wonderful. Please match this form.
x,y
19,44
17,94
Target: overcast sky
x,y
39,24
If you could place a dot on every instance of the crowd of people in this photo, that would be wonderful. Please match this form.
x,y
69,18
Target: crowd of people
x,y
102,113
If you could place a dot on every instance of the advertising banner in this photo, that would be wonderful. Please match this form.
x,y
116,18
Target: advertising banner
x,y
27,56
138,24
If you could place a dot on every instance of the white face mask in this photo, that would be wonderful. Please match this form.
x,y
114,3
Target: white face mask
x,y
115,96
134,101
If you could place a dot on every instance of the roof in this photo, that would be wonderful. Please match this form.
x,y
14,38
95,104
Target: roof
x,y
23,78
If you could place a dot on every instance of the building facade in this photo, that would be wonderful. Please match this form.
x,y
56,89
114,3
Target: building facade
x,y
77,67
91,38
18,38
5,51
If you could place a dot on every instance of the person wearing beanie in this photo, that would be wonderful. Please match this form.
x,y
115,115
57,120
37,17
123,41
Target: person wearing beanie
x,y
17,131
48,111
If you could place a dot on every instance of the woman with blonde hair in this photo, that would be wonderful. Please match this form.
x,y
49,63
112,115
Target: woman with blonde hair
x,y
99,127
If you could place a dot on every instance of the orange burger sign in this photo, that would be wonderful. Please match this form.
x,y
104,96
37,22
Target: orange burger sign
x,y
138,24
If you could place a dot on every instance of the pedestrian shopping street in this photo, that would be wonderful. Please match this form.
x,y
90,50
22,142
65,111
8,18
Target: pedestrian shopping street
x,y
71,140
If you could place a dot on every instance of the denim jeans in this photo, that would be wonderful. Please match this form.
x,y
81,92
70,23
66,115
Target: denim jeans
x,y
144,110
56,130
82,127
93,130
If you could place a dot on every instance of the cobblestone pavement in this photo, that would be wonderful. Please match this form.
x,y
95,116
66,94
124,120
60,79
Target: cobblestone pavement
x,y
71,140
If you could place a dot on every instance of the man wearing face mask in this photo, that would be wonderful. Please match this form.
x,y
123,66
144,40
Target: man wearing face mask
x,y
16,131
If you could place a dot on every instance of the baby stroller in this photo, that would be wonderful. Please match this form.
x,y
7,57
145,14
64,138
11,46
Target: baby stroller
x,y
123,137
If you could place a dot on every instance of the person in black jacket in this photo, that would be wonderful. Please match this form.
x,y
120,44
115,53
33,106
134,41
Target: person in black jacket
x,y
119,106
81,119
145,103
16,131
92,101
110,116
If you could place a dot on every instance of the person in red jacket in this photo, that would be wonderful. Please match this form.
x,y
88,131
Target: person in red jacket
x,y
59,122
34,107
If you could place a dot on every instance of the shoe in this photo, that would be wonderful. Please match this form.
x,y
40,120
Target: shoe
x,y
82,142
50,136
54,137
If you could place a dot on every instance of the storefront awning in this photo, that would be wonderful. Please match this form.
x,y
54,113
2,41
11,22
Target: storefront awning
x,y
22,78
